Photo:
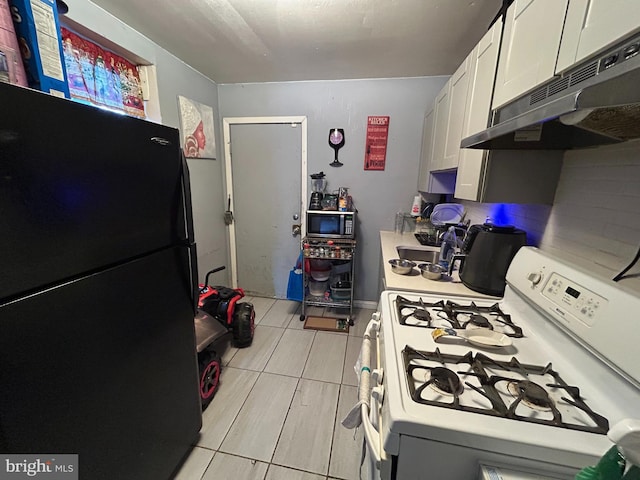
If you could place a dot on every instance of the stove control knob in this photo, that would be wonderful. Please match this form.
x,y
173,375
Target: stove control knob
x,y
534,278
378,393
376,376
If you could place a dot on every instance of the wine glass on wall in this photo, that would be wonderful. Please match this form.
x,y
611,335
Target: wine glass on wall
x,y
336,141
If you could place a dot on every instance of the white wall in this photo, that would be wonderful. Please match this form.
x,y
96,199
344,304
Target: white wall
x,y
530,218
346,104
595,218
596,213
174,78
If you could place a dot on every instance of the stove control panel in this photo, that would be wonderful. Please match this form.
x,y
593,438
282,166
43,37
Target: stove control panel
x,y
575,299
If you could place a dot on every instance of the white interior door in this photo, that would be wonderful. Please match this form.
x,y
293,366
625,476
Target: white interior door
x,y
266,171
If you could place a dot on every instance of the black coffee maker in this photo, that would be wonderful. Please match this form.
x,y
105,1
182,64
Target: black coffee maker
x,y
487,251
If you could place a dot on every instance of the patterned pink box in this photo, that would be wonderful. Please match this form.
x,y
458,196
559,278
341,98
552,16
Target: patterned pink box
x,y
11,66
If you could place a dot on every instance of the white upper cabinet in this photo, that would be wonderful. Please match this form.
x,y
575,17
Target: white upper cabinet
x,y
457,106
530,44
427,150
441,118
593,25
428,181
499,176
449,115
482,72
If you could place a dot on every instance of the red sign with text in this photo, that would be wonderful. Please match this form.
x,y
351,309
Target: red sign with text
x,y
375,152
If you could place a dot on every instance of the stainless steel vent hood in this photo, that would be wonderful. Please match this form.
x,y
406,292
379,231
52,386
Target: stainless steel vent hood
x,y
596,103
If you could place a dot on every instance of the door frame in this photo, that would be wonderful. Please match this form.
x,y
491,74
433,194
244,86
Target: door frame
x,y
227,122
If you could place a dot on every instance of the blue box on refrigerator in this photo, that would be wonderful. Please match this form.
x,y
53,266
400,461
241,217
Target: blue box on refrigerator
x,y
38,31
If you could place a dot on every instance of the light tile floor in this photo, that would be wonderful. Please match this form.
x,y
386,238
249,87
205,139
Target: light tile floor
x,y
277,413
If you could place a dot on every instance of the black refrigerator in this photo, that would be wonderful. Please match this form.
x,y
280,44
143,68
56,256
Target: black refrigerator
x,y
97,289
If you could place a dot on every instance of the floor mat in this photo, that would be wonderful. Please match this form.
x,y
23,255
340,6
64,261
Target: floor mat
x,y
328,324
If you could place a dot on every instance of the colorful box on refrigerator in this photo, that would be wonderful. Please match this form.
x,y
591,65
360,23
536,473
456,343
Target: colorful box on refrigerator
x,y
11,66
38,30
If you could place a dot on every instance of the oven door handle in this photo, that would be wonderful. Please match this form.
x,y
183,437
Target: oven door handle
x,y
371,332
371,436
369,403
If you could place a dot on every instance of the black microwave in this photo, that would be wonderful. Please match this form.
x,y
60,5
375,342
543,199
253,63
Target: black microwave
x,y
331,224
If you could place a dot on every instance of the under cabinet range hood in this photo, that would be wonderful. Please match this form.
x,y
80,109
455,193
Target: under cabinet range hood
x,y
596,103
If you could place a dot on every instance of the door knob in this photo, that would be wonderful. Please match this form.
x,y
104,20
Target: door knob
x,y
296,230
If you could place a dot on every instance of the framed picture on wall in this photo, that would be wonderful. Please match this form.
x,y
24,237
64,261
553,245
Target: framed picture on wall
x,y
196,129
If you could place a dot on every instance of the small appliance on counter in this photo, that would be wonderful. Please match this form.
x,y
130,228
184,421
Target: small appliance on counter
x,y
487,251
331,224
318,185
316,201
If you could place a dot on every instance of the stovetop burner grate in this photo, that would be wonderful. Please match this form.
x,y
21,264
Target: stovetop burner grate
x,y
432,315
514,378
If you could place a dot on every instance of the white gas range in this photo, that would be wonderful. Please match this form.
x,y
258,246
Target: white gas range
x,y
543,405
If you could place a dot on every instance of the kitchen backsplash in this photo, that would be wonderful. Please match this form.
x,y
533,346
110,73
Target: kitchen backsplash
x,y
531,218
595,218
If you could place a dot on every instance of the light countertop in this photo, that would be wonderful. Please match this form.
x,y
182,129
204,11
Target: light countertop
x,y
414,281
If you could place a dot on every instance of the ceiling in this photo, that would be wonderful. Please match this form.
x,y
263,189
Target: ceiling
x,y
242,41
